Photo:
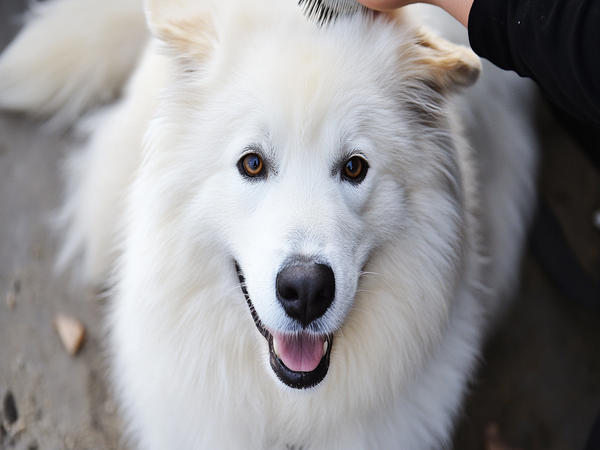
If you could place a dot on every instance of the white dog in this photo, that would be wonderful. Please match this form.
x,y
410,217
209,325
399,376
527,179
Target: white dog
x,y
307,247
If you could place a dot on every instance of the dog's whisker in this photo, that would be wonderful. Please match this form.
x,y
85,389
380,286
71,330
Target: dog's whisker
x,y
386,279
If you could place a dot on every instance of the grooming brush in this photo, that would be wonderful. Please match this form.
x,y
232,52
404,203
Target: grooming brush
x,y
324,11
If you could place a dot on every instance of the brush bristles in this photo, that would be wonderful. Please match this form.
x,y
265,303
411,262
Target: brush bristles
x,y
324,11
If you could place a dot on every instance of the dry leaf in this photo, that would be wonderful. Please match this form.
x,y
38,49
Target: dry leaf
x,y
71,332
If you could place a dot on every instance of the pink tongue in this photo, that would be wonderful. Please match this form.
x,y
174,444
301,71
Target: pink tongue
x,y
300,353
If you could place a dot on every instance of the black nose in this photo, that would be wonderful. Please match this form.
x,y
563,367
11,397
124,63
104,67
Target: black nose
x,y
305,290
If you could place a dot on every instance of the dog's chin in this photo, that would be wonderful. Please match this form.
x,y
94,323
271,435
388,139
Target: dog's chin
x,y
300,360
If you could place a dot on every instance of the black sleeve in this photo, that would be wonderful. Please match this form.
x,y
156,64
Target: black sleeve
x,y
554,42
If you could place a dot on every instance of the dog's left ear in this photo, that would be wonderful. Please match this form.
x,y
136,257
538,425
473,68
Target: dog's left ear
x,y
183,25
443,65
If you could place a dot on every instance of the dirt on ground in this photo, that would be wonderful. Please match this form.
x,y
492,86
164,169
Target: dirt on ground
x,y
538,386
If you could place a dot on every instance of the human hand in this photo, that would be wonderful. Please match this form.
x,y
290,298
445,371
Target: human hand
x,y
459,9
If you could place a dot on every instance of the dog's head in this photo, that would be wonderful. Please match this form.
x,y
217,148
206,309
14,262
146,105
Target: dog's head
x,y
324,163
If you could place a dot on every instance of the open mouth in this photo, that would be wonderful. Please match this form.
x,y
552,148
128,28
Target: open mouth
x,y
301,359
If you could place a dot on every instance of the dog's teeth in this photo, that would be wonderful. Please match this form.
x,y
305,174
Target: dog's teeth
x,y
325,346
275,349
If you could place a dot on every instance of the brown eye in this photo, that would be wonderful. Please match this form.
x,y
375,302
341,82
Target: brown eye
x,y
355,169
251,165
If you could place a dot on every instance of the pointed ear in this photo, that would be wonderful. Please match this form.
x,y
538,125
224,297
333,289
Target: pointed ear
x,y
443,65
184,26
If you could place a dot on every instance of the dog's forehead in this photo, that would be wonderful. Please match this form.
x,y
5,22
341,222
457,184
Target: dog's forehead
x,y
308,94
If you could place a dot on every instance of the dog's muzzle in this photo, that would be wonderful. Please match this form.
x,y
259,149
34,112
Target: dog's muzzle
x,y
305,290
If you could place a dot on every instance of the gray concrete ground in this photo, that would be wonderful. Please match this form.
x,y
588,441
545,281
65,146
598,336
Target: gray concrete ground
x,y
539,381
62,402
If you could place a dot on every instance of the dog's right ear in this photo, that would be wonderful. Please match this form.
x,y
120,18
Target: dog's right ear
x,y
443,65
183,25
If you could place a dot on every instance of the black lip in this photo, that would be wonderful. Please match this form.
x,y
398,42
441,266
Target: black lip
x,y
293,379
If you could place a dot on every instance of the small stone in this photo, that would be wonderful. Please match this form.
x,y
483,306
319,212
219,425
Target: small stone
x,y
17,427
71,332
9,407
11,299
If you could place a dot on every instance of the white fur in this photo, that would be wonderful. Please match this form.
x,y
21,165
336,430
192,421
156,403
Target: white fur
x,y
422,250
71,55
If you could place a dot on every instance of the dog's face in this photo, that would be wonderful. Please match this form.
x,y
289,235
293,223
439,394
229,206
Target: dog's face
x,y
309,206
309,160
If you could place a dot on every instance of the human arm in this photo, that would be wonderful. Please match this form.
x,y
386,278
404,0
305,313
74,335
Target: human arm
x,y
554,42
